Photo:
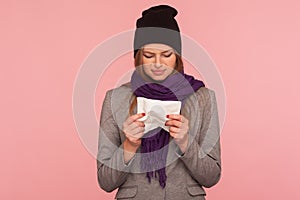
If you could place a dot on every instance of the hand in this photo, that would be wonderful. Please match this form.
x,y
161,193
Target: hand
x,y
179,127
134,130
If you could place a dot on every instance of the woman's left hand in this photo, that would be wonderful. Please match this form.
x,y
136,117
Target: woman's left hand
x,y
179,127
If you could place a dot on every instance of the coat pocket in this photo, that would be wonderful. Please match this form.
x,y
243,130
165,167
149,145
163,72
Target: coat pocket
x,y
126,192
195,190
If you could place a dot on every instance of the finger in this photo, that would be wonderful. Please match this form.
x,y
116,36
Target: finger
x,y
135,125
136,136
173,123
133,118
177,117
140,124
177,136
174,135
138,130
135,131
139,135
174,129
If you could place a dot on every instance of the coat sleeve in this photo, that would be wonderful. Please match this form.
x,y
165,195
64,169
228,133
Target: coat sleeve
x,y
111,169
203,156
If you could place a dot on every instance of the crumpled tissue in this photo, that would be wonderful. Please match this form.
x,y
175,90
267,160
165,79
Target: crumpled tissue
x,y
156,111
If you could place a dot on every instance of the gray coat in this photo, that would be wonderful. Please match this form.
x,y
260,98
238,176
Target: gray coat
x,y
187,174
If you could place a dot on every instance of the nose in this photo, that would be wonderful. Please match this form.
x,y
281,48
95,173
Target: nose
x,y
157,63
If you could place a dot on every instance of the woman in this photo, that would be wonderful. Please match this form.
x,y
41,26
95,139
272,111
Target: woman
x,y
159,164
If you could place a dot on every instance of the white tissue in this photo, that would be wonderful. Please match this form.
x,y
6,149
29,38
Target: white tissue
x,y
156,111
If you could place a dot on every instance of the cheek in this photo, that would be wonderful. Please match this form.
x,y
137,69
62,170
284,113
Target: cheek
x,y
171,62
145,61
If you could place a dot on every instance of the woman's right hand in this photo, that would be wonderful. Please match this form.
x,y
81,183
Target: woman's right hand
x,y
134,129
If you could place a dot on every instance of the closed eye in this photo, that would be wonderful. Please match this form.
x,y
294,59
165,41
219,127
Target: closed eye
x,y
147,56
165,55
168,55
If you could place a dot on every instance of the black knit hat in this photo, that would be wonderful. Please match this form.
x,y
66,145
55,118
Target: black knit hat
x,y
158,25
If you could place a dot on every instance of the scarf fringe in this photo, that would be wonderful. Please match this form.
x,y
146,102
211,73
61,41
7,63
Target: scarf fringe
x,y
151,159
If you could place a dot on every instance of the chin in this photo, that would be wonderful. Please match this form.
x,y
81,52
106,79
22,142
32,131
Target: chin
x,y
156,78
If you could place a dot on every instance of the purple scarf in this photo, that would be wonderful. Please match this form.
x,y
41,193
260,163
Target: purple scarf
x,y
176,87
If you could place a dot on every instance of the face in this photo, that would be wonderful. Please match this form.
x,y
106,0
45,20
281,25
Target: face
x,y
159,61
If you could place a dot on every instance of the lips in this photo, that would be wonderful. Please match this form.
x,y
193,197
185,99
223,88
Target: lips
x,y
158,72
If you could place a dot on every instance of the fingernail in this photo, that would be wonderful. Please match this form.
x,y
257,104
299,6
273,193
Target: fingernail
x,y
168,116
143,114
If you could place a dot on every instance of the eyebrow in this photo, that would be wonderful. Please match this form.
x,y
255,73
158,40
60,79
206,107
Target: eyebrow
x,y
146,51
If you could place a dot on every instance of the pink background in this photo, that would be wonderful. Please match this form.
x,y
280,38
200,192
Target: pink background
x,y
255,45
